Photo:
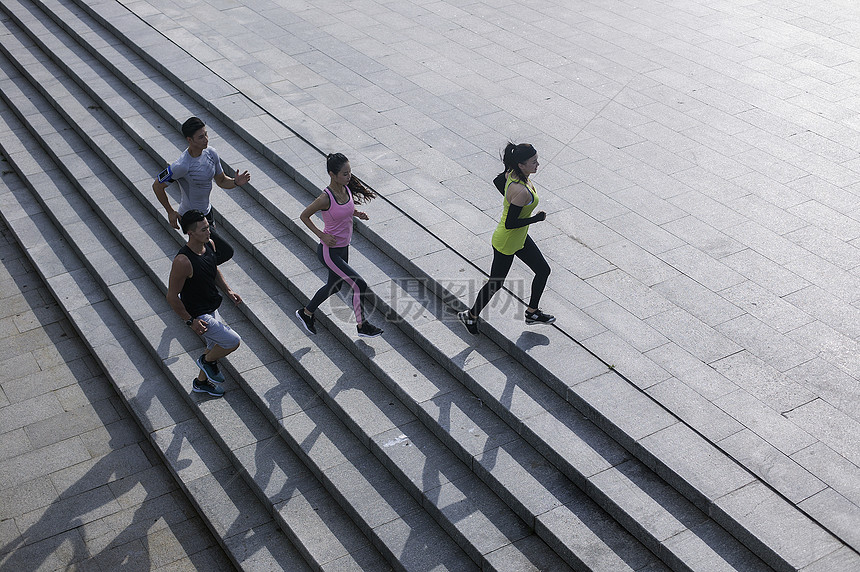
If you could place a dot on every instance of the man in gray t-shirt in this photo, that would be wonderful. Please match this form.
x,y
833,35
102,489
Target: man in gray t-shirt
x,y
195,170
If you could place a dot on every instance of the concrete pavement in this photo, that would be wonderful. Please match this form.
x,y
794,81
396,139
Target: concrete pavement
x,y
80,486
698,167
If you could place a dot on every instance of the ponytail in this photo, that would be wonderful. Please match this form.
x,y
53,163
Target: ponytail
x,y
360,193
512,156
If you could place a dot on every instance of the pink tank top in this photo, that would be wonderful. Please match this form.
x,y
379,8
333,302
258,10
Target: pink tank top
x,y
338,218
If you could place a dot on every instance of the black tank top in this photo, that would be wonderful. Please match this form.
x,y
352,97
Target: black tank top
x,y
199,293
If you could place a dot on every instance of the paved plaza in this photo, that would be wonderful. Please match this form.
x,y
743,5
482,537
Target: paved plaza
x,y
80,486
700,167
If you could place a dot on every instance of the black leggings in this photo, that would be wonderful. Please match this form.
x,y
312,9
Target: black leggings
x,y
531,255
223,249
339,271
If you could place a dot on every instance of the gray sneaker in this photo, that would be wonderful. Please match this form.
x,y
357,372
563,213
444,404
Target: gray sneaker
x,y
210,368
207,387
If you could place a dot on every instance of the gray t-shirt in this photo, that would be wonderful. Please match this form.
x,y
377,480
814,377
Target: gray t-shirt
x,y
194,175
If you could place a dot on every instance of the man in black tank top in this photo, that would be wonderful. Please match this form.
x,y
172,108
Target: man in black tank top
x,y
193,294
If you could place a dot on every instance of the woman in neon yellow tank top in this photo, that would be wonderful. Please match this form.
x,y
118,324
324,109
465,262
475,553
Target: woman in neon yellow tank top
x,y
511,236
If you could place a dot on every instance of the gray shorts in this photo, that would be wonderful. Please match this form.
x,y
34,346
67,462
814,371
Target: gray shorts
x,y
218,333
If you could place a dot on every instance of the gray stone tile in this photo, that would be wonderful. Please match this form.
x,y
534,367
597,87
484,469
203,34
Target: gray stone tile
x,y
530,553
693,335
827,245
21,414
325,449
771,521
477,514
645,233
834,347
840,559
763,382
229,505
67,514
709,210
322,528
832,468
525,479
27,497
771,216
401,536
694,409
372,494
698,300
519,394
767,243
831,426
464,417
703,236
55,552
772,347
620,408
75,421
702,268
420,456
587,448
191,453
638,299
9,534
823,305
778,312
637,262
584,536
640,499
14,443
825,274
678,455
630,328
772,466
707,545
625,358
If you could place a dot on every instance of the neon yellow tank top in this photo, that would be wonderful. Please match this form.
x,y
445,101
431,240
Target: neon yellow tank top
x,y
509,241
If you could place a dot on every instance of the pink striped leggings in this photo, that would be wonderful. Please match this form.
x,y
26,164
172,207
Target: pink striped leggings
x,y
339,272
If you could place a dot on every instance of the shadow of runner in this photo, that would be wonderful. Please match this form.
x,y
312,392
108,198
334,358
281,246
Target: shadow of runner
x,y
119,510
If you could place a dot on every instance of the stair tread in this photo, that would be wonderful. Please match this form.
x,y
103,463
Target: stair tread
x,y
653,454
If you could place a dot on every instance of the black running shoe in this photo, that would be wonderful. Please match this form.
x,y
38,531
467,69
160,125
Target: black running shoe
x,y
468,321
307,321
207,387
368,330
538,317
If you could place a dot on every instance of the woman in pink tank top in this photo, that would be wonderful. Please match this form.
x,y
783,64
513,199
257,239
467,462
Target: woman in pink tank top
x,y
336,205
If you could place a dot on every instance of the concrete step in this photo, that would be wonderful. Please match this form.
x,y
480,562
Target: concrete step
x,y
475,527
558,516
237,518
229,419
323,533
615,422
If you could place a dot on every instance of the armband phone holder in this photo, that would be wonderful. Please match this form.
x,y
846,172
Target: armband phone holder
x,y
166,176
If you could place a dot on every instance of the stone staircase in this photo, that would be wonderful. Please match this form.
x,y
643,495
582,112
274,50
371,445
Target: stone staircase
x,y
425,449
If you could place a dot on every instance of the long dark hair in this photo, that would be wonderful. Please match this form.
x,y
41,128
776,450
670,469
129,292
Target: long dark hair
x,y
360,194
512,156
